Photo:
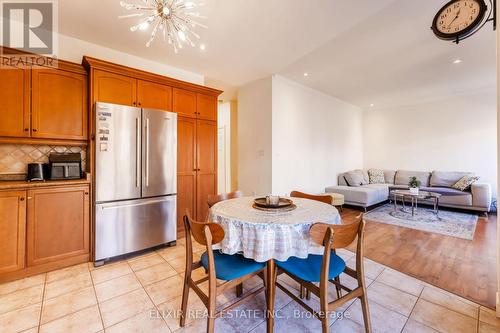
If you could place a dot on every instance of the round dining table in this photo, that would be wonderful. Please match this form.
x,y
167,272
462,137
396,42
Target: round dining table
x,y
265,236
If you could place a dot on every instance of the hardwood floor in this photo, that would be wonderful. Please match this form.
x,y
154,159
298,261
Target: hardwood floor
x,y
463,267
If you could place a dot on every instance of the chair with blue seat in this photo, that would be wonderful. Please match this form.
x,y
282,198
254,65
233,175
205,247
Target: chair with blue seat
x,y
325,268
232,270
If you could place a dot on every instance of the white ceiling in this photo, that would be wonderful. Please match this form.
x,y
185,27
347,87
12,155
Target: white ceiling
x,y
361,51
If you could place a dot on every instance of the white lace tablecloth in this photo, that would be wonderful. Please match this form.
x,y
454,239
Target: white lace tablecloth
x,y
262,236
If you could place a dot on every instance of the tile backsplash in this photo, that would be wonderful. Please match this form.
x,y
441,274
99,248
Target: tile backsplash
x,y
14,158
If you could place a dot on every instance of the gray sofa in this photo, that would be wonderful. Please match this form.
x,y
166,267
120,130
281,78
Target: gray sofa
x,y
477,198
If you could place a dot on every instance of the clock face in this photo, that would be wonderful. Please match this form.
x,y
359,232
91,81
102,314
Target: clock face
x,y
458,17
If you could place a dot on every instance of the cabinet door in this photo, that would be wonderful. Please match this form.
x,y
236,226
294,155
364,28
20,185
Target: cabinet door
x,y
15,97
184,102
12,230
59,104
58,224
206,106
186,169
114,88
206,153
154,96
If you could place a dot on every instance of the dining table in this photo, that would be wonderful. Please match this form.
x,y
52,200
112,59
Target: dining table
x,y
266,236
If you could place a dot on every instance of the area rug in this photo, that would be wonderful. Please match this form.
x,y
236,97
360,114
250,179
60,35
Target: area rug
x,y
449,223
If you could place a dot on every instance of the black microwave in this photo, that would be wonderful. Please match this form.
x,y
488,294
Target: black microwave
x,y
65,166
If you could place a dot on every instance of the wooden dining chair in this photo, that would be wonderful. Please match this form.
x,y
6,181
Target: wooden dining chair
x,y
321,198
325,268
213,199
231,269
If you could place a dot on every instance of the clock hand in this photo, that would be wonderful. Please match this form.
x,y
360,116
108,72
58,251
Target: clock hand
x,y
457,16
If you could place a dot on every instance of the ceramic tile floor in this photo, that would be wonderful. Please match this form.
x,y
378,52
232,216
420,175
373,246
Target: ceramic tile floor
x,y
143,294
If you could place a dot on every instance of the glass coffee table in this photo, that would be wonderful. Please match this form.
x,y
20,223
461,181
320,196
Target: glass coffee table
x,y
413,198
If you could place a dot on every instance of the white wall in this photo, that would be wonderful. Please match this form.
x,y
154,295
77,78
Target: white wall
x,y
254,137
457,133
315,136
73,49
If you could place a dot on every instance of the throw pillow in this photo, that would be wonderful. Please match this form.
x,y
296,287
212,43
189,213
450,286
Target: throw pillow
x,y
376,176
465,182
354,178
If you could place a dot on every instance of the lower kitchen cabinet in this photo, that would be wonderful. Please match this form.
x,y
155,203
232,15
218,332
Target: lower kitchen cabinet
x,y
58,224
42,229
12,230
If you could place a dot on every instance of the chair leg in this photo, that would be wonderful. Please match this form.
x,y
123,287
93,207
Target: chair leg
x,y
339,290
325,325
308,294
366,314
302,292
211,313
239,290
185,296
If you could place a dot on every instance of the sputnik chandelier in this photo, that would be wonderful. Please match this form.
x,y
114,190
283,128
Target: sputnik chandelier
x,y
174,19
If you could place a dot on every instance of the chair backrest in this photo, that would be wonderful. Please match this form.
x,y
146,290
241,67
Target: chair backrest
x,y
198,230
213,199
323,198
337,236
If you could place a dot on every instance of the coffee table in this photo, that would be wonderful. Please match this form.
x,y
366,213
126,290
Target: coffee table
x,y
422,195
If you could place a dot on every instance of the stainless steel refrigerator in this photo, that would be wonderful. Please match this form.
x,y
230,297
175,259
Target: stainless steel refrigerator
x,y
135,179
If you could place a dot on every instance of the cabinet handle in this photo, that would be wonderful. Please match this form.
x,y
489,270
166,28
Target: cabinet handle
x,y
139,104
86,193
21,198
34,130
133,103
26,129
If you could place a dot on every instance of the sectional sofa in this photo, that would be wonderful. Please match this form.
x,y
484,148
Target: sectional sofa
x,y
477,198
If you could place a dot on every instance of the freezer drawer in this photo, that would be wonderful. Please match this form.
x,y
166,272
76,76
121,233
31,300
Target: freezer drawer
x,y
129,226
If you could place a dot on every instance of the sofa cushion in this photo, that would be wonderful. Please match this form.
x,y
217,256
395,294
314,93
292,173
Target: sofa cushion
x,y
355,178
389,176
403,177
376,176
464,183
446,178
457,200
444,191
362,195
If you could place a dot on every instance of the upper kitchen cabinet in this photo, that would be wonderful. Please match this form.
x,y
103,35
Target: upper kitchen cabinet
x,y
206,106
154,96
12,230
114,88
15,96
59,105
184,102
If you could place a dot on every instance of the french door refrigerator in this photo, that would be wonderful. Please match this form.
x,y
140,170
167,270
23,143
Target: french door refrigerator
x,y
135,179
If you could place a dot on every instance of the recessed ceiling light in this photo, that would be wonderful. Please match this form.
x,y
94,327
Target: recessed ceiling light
x,y
372,105
202,47
457,61
306,74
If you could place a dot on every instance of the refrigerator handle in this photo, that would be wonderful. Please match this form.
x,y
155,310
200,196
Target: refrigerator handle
x,y
147,152
137,153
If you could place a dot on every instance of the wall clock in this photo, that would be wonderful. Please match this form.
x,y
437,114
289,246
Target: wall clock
x,y
460,19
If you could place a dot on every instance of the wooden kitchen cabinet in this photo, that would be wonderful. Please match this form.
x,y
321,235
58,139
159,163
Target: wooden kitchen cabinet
x,y
206,106
59,105
15,97
114,88
154,96
58,224
186,169
12,230
184,102
206,156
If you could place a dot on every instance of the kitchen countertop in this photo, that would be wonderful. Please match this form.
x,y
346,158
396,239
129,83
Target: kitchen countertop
x,y
18,184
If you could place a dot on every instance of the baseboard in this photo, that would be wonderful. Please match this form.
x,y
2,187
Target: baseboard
x,y
498,304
